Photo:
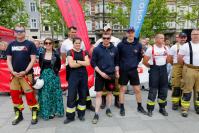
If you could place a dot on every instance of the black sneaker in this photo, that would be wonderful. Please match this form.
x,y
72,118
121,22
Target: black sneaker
x,y
175,106
122,112
67,121
95,119
141,110
108,113
150,113
163,111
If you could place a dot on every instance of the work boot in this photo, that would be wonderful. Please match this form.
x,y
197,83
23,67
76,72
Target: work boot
x,y
184,114
103,105
141,110
18,116
91,108
117,104
95,119
150,113
67,121
163,111
81,118
175,106
197,110
34,115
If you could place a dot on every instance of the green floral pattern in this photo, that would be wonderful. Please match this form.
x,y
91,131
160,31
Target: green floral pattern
x,y
50,96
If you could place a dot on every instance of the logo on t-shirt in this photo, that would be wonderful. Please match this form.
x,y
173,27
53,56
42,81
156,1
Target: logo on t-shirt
x,y
19,48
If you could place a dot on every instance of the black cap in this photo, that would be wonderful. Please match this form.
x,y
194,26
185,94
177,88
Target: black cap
x,y
182,34
130,29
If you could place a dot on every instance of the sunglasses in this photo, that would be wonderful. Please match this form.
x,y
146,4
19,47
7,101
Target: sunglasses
x,y
106,38
19,31
48,43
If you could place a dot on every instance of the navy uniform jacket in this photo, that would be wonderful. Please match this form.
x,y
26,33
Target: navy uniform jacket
x,y
106,59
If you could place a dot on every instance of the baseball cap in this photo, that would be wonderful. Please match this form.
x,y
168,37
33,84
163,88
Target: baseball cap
x,y
182,34
107,27
131,29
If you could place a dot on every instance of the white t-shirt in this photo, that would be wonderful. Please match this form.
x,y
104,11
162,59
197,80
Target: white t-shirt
x,y
114,40
174,52
160,55
184,50
68,45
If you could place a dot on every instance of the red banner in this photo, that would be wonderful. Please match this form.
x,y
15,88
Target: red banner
x,y
5,76
6,34
73,15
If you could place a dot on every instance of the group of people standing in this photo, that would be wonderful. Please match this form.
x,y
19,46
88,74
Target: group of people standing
x,y
115,63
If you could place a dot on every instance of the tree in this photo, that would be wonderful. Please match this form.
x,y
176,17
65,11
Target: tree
x,y
12,12
51,16
155,20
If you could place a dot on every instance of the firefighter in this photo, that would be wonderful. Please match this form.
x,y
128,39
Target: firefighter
x,y
176,71
21,55
156,59
66,46
188,55
78,81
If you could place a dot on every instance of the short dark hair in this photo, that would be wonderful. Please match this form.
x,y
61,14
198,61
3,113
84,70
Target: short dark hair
x,y
105,33
72,27
76,38
21,25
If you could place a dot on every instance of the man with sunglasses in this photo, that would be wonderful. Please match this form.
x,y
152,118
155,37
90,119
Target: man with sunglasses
x,y
188,56
115,41
66,46
21,55
105,62
130,54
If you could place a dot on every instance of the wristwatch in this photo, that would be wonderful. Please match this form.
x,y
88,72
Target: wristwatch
x,y
76,61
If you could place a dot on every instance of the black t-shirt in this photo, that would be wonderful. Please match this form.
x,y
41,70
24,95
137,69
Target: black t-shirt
x,y
78,56
20,52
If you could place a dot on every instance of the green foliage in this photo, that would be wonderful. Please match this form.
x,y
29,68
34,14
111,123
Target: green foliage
x,y
155,20
51,16
193,15
12,12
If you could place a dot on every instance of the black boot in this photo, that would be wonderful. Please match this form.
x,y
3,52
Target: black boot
x,y
163,111
117,104
103,105
89,106
150,113
34,115
18,116
67,121
175,106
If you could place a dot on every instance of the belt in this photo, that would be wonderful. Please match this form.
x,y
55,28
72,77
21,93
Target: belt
x,y
191,66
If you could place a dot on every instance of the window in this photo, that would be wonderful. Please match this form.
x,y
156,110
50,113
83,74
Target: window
x,y
33,24
33,7
46,28
89,25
